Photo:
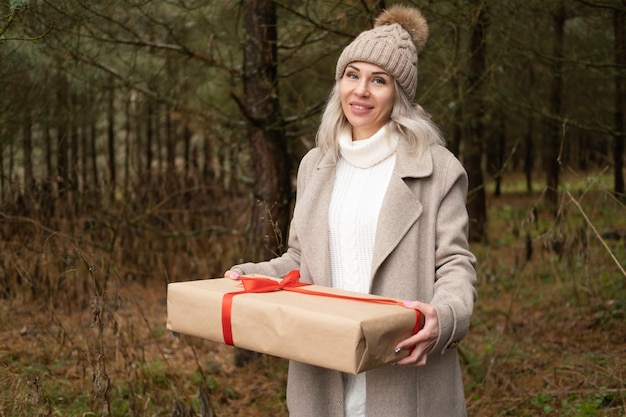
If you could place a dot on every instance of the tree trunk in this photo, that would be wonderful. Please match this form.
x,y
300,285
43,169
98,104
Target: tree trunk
x,y
619,21
187,157
93,157
475,132
497,160
170,146
458,127
457,86
74,139
377,7
272,182
149,141
553,143
529,147
111,140
2,176
62,137
158,142
128,132
74,166
27,149
48,197
11,169
84,156
272,190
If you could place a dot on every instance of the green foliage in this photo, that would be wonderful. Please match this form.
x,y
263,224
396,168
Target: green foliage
x,y
14,7
542,404
17,5
154,374
574,405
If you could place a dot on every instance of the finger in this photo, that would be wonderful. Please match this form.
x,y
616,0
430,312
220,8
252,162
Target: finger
x,y
413,340
231,274
415,358
412,348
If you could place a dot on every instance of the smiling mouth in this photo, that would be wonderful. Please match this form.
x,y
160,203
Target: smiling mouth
x,y
359,107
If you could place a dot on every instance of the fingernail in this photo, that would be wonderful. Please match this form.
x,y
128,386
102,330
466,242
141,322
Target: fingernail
x,y
406,303
397,350
236,275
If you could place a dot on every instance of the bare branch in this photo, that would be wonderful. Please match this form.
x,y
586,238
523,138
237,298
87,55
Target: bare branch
x,y
595,231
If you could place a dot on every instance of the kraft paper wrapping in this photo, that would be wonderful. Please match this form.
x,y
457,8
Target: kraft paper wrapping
x,y
345,335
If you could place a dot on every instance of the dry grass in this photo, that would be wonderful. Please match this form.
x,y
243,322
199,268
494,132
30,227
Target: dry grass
x,y
82,315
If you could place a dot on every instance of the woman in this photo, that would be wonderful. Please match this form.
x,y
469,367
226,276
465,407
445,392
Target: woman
x,y
381,209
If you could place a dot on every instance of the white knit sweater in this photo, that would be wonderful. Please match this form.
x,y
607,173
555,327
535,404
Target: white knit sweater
x,y
361,181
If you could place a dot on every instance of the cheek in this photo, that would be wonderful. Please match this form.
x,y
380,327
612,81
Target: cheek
x,y
388,106
343,92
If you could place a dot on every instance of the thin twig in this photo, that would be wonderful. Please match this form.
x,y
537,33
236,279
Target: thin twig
x,y
595,231
168,364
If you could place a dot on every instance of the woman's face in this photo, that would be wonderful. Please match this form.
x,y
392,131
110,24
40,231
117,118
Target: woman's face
x,y
367,94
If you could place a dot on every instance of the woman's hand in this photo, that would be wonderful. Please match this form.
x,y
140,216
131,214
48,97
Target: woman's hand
x,y
422,342
231,274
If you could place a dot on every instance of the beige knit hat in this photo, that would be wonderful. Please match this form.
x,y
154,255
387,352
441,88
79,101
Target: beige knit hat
x,y
398,36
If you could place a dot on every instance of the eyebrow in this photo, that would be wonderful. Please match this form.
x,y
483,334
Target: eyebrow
x,y
373,73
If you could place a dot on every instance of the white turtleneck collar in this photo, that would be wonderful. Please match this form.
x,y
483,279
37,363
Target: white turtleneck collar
x,y
368,152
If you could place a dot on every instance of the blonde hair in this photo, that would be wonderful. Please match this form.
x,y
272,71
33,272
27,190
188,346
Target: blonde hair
x,y
407,120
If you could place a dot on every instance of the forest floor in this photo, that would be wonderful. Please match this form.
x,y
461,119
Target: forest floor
x,y
548,336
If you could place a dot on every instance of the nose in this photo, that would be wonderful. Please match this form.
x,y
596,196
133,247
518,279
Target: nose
x,y
362,89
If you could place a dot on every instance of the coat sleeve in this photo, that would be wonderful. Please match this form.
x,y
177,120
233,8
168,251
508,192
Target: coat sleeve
x,y
290,260
455,274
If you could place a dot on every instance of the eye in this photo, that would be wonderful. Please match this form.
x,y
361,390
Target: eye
x,y
351,74
380,81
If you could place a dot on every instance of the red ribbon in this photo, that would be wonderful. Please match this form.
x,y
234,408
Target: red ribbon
x,y
291,283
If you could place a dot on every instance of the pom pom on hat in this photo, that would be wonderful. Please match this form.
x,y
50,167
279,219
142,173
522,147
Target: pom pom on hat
x,y
410,19
394,43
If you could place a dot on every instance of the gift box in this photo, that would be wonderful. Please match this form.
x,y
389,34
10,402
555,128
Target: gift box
x,y
341,330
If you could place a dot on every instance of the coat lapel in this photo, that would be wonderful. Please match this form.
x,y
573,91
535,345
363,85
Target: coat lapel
x,y
401,207
312,221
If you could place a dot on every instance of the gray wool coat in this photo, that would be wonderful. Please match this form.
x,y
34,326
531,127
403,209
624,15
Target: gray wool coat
x,y
420,253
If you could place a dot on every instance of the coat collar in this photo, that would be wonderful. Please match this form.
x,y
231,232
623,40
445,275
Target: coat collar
x,y
408,167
